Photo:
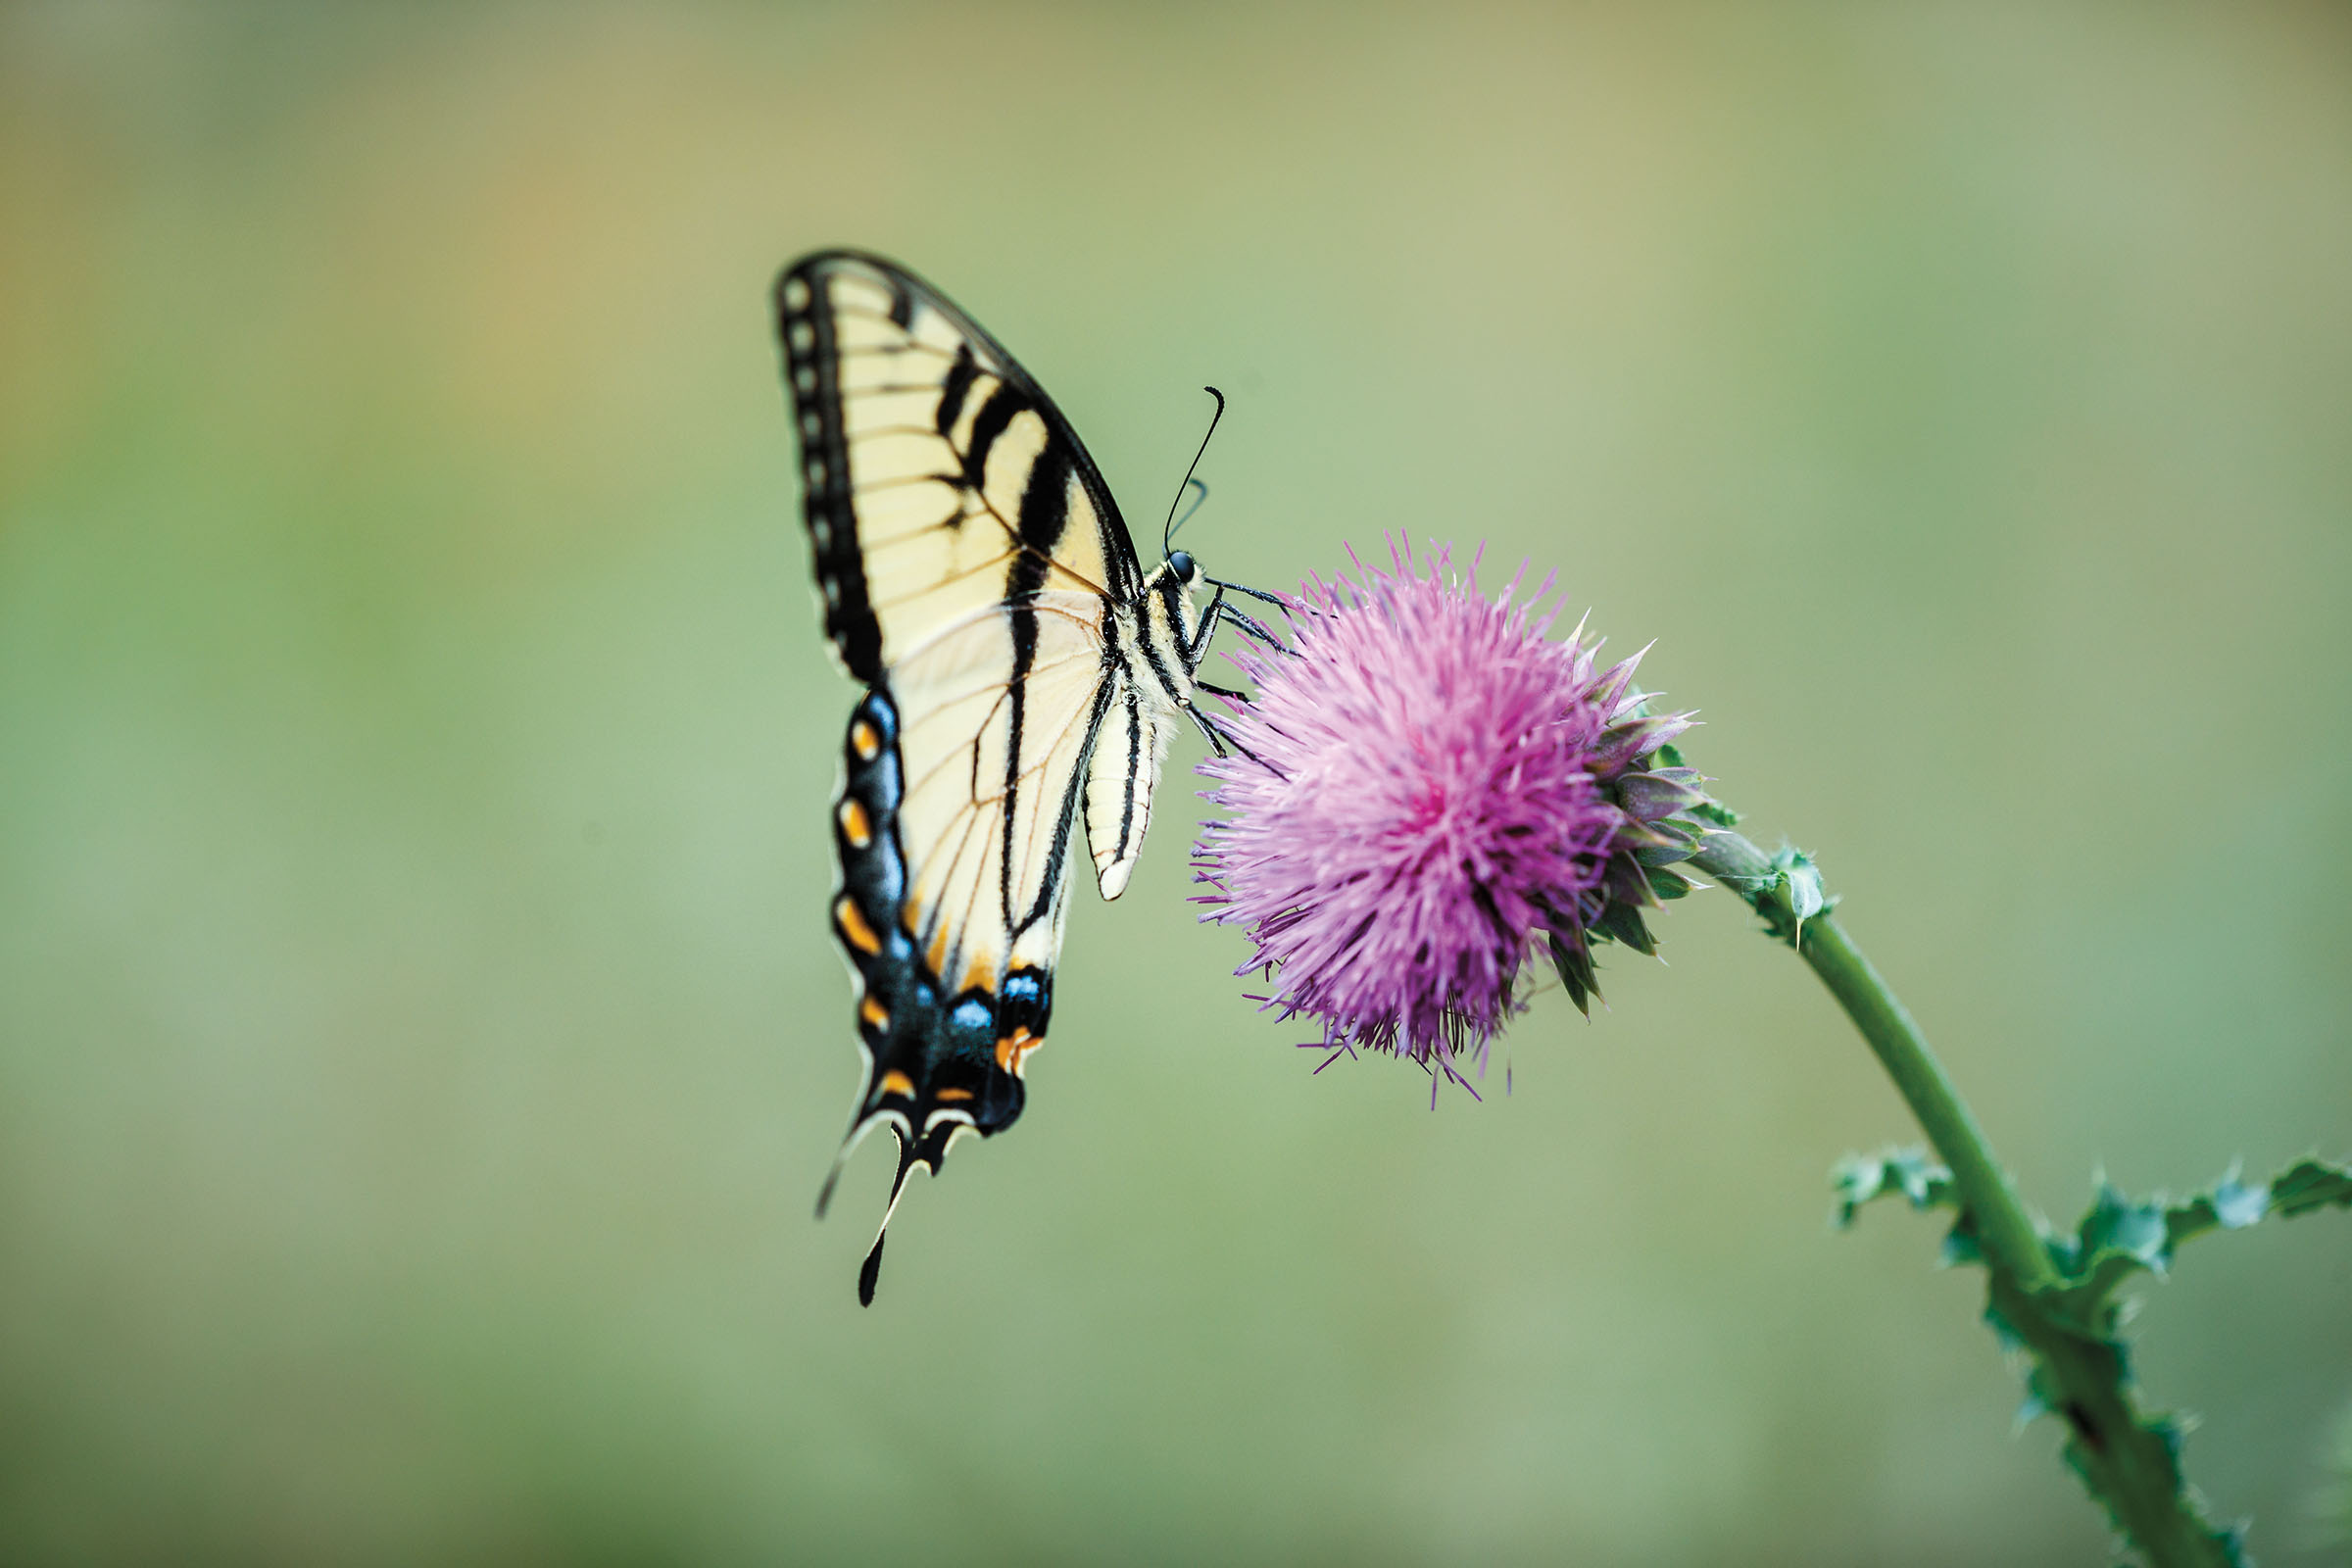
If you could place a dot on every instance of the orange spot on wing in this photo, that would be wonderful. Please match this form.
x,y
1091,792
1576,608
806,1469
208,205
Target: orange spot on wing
x,y
875,1013
854,929
1012,1052
946,1095
894,1082
866,740
854,825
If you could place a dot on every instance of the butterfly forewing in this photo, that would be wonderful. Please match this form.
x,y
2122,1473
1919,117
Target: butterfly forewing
x,y
935,471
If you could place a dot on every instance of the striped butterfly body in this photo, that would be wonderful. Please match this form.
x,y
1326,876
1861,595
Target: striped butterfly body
x,y
1023,675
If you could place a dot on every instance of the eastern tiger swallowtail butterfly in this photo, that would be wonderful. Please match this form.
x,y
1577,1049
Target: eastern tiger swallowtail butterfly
x,y
1023,675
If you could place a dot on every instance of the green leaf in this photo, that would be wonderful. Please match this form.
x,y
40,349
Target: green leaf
x,y
2236,1205
1622,922
1960,1249
1668,884
1665,843
2120,1237
2119,1226
2079,1321
1909,1173
2305,1185
1787,895
1716,812
1575,964
1800,880
2308,1185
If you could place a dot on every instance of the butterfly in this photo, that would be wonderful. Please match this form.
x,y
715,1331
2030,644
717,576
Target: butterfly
x,y
1023,673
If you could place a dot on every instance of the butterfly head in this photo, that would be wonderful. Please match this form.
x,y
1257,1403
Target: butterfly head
x,y
1180,563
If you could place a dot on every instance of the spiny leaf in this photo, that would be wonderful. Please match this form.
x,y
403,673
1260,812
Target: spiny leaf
x,y
2229,1205
2119,1237
1623,923
2310,1184
1801,882
1787,895
1909,1172
1575,963
1668,884
1960,1247
2079,1320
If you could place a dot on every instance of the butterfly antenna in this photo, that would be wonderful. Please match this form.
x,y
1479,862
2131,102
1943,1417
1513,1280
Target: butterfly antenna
x,y
1167,534
871,1271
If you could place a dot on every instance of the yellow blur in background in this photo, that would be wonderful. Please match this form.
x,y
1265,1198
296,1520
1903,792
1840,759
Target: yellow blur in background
x,y
419,1039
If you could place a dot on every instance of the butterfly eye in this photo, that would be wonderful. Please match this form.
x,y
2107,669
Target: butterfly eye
x,y
1180,563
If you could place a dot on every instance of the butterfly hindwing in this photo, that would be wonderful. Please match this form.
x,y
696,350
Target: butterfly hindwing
x,y
938,1057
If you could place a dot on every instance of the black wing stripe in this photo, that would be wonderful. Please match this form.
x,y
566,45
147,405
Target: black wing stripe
x,y
1044,508
993,416
957,386
1135,763
812,371
1044,513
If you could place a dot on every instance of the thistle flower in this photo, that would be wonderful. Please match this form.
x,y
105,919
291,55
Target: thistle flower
x,y
1428,790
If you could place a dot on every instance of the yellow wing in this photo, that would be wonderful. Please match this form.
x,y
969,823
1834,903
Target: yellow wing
x,y
973,565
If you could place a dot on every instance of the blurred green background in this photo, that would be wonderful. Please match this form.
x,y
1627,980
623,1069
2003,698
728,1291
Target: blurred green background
x,y
419,1041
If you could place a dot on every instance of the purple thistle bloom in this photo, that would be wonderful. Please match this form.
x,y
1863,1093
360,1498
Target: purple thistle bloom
x,y
1425,793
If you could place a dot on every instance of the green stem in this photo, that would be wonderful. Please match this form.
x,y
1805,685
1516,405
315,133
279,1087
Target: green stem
x,y
2126,1460
2002,1227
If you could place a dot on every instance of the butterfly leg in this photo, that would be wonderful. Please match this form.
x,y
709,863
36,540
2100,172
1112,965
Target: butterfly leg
x,y
1220,738
1276,600
1197,648
1241,622
1207,726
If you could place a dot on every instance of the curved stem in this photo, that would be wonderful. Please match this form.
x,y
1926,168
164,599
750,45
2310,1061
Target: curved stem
x,y
2003,1228
2127,1462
